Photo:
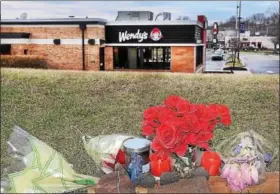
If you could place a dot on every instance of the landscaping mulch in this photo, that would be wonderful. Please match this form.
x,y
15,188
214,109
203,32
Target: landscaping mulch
x,y
193,185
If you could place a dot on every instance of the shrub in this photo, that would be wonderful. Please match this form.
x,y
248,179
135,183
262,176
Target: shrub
x,y
23,61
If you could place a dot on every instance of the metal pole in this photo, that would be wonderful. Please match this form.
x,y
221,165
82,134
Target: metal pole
x,y
239,18
83,49
236,16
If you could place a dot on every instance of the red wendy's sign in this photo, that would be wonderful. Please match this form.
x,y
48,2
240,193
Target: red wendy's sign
x,y
215,28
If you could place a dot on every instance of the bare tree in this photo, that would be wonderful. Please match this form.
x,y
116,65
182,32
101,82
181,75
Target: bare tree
x,y
275,41
274,16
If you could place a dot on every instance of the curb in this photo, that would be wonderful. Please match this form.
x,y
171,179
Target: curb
x,y
243,63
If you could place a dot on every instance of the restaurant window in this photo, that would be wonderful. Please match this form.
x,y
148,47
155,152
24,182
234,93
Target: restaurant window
x,y
5,49
199,55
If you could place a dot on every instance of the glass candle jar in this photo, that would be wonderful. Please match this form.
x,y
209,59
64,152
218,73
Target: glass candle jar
x,y
137,151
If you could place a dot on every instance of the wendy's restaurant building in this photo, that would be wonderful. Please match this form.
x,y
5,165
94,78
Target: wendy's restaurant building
x,y
95,44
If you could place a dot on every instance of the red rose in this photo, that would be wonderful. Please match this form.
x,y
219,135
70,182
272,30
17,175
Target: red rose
x,y
165,114
204,136
224,114
190,138
192,123
212,126
151,113
212,111
152,123
226,120
199,109
148,130
204,126
204,145
180,149
168,135
183,106
172,101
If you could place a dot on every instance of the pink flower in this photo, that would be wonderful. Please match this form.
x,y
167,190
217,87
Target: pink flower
x,y
225,171
254,175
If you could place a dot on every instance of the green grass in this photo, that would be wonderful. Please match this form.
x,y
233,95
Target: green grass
x,y
50,104
263,52
238,63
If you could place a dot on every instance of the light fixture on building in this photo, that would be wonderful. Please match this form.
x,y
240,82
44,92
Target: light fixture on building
x,y
91,41
102,41
56,41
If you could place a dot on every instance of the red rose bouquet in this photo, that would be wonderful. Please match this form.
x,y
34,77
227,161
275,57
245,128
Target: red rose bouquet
x,y
177,124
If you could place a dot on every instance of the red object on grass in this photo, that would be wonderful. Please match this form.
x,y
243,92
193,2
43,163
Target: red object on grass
x,y
211,161
158,166
120,158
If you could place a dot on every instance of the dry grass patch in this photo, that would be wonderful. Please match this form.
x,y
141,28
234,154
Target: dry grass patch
x,y
50,104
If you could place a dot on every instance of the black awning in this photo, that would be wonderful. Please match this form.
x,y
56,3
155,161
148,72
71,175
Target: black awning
x,y
14,35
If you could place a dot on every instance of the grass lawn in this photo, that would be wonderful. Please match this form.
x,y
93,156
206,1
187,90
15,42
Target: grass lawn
x,y
237,63
50,104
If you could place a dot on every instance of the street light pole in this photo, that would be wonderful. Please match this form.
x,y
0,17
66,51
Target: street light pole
x,y
239,18
236,16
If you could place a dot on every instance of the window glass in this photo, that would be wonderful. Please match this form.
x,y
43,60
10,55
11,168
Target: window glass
x,y
5,49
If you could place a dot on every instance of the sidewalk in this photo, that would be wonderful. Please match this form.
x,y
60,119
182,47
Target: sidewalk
x,y
242,72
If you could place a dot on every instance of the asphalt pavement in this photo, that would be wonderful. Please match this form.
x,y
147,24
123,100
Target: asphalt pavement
x,y
213,65
260,63
257,63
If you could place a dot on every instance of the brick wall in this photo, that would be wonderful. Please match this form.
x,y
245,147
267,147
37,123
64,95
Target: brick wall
x,y
58,32
62,56
182,59
109,65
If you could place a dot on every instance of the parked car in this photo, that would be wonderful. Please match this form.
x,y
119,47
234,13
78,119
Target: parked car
x,y
218,55
251,48
216,47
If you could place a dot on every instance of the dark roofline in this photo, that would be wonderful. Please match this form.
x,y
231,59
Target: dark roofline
x,y
56,21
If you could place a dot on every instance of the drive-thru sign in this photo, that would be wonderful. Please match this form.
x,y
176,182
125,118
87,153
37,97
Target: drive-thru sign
x,y
215,29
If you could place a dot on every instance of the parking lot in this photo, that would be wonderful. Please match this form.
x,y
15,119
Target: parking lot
x,y
260,63
257,63
213,65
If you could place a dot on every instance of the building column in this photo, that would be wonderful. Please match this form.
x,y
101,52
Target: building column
x,y
109,59
183,59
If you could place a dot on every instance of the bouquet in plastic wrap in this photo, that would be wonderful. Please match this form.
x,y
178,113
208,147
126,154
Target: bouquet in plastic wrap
x,y
245,157
105,150
38,168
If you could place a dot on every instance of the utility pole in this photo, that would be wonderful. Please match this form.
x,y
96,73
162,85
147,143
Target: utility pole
x,y
235,43
236,16
239,18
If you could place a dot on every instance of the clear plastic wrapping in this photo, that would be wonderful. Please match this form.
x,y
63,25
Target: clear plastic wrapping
x,y
103,149
37,168
246,155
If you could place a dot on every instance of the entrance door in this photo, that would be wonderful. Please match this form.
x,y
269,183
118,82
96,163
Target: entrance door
x,y
101,59
132,58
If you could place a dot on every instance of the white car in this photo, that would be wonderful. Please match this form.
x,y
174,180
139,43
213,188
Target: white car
x,y
218,55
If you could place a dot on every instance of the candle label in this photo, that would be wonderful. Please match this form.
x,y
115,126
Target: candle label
x,y
146,168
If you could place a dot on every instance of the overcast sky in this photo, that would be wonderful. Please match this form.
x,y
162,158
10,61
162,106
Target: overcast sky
x,y
213,10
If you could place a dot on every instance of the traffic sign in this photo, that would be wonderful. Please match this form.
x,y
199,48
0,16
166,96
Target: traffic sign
x,y
242,27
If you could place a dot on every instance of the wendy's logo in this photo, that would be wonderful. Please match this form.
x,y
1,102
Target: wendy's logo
x,y
156,34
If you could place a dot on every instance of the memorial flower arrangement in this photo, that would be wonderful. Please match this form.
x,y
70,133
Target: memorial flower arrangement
x,y
177,124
